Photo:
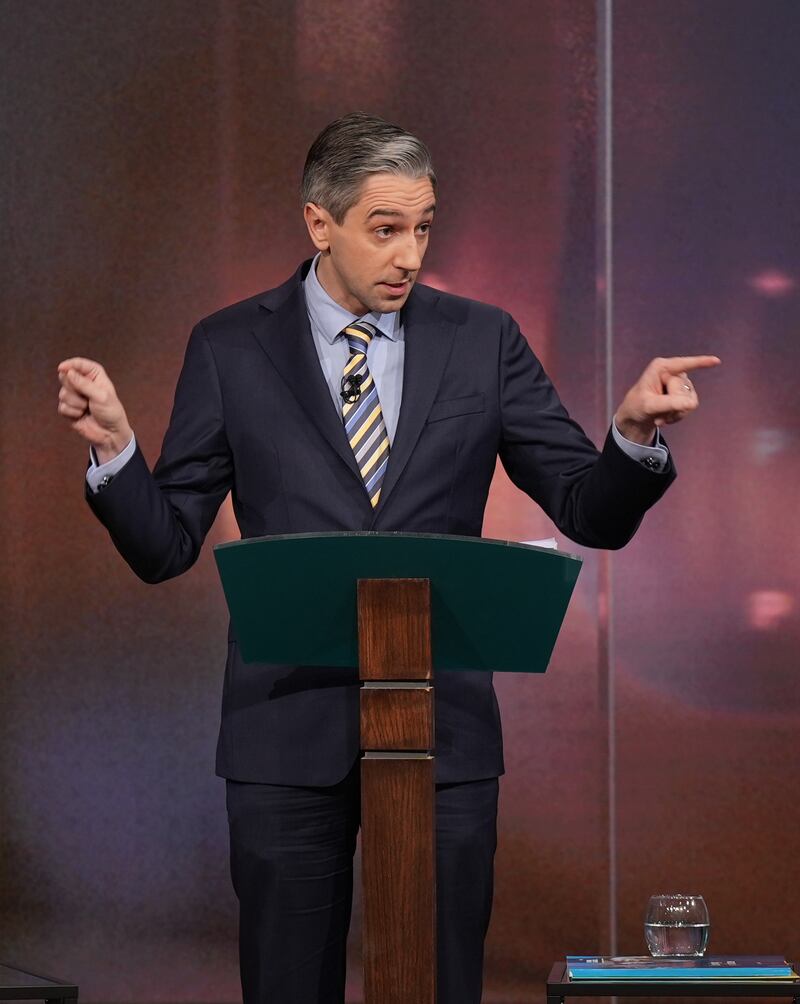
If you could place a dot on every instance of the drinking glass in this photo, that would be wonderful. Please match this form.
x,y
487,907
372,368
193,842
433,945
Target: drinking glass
x,y
676,924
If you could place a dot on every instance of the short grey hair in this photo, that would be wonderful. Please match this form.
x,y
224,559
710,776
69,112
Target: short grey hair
x,y
349,150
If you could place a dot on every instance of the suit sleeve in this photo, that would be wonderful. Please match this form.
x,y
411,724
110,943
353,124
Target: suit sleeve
x,y
158,521
596,498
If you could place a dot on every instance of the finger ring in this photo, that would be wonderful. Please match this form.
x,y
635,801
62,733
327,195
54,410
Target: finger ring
x,y
688,388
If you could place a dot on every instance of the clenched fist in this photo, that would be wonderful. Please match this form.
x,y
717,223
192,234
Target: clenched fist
x,y
87,399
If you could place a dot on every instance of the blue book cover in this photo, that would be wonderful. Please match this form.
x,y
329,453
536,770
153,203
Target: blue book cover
x,y
709,967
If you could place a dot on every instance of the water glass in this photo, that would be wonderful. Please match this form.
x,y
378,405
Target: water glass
x,y
676,925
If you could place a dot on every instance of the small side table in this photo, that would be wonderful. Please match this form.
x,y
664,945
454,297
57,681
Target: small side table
x,y
18,985
559,986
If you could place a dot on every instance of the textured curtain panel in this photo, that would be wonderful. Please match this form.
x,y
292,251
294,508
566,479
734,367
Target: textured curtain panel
x,y
706,258
152,177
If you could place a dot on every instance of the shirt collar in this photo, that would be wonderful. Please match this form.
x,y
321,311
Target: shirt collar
x,y
330,319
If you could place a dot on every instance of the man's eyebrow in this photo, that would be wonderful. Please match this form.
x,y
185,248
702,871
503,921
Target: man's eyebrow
x,y
396,212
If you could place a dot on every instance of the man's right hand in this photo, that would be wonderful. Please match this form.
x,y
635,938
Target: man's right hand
x,y
87,399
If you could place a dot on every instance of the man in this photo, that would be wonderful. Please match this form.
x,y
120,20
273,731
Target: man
x,y
352,398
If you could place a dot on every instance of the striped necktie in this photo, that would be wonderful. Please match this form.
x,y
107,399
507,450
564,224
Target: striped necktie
x,y
361,412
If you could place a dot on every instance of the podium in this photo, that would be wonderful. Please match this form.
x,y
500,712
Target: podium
x,y
397,606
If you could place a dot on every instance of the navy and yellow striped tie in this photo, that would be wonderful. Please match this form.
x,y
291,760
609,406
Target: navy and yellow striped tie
x,y
361,413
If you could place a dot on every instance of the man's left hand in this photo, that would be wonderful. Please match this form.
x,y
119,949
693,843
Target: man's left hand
x,y
663,394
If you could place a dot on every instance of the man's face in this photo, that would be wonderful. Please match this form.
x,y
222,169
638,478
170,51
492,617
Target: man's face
x,y
370,262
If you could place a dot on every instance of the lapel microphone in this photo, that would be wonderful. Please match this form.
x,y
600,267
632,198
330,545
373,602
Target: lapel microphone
x,y
351,388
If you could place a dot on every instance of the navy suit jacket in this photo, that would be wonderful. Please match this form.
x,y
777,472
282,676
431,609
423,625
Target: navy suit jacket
x,y
254,416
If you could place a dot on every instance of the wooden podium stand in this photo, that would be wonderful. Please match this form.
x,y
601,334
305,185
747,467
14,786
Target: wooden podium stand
x,y
398,835
396,605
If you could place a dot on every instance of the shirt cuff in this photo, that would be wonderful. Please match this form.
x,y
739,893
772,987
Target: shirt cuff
x,y
100,476
654,458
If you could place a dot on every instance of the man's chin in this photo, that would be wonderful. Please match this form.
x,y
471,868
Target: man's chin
x,y
389,300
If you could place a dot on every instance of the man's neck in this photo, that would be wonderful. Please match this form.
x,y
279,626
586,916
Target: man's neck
x,y
327,280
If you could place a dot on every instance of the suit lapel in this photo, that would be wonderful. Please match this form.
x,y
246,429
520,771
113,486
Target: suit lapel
x,y
428,341
285,336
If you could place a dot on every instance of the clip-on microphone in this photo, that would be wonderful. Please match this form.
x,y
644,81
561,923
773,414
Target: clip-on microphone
x,y
351,388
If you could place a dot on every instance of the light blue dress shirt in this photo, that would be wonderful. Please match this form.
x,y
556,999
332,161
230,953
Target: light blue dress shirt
x,y
385,358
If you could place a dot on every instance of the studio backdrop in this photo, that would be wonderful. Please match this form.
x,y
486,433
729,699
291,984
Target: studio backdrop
x,y
622,179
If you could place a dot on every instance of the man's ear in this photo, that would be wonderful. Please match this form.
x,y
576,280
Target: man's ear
x,y
319,223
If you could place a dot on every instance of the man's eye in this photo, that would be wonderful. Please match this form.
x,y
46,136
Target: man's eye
x,y
424,228
384,231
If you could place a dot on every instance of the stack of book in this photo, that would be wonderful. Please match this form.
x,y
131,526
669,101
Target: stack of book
x,y
750,968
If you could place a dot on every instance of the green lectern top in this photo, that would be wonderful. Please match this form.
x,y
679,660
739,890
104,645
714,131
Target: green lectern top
x,y
495,605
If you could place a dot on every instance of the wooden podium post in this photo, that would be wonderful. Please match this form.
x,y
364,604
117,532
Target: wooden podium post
x,y
398,834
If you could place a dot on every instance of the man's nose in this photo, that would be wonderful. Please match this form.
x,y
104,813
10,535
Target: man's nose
x,y
408,257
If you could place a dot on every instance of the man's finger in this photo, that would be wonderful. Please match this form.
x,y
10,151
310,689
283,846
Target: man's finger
x,y
680,384
86,386
86,367
681,364
662,404
70,410
70,396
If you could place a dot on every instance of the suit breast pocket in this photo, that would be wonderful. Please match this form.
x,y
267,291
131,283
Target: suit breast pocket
x,y
472,404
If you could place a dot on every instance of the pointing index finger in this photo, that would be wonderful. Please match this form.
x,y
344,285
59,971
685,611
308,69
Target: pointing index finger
x,y
682,364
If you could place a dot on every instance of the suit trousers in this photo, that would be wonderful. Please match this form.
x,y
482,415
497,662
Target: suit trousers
x,y
292,867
